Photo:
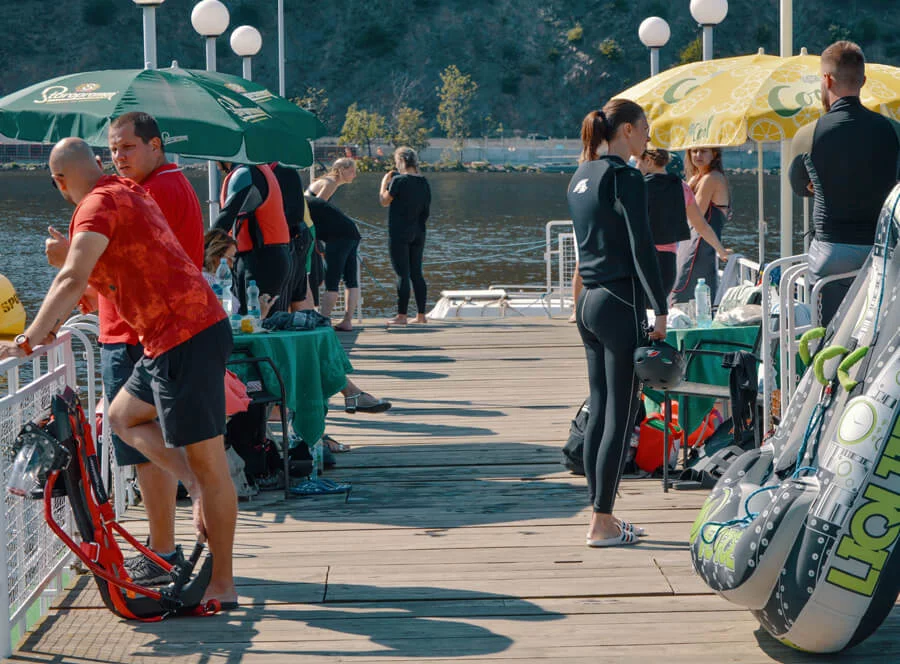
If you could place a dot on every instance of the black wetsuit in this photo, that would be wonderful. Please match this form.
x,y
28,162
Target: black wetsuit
x,y
851,156
268,265
407,215
301,238
668,220
608,203
341,237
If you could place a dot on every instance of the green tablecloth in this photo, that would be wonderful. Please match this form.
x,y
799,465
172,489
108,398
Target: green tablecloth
x,y
705,368
312,364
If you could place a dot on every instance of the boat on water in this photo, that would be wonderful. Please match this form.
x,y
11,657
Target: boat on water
x,y
557,164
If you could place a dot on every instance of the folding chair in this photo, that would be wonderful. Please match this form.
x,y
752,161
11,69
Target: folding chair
x,y
695,389
256,390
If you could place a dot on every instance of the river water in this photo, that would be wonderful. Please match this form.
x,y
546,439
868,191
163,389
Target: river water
x,y
484,229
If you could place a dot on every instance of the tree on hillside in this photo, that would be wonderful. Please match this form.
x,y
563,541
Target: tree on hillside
x,y
410,129
361,127
314,100
456,94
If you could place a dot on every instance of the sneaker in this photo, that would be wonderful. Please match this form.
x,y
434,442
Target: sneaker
x,y
365,403
145,572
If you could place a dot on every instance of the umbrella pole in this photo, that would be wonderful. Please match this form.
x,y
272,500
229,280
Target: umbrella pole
x,y
760,200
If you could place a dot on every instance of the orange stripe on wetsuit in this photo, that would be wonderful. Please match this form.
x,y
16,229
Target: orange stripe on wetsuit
x,y
266,225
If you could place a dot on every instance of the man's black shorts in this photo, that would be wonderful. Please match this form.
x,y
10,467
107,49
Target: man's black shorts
x,y
187,386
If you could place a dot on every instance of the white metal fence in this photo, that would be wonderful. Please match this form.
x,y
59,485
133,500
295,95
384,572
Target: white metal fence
x,y
32,558
559,258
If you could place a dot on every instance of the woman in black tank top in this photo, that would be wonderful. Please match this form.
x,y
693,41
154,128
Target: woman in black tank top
x,y
697,258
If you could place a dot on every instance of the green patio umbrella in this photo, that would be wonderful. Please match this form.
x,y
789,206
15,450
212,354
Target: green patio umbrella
x,y
201,114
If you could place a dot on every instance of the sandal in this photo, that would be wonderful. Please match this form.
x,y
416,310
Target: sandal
x,y
624,538
333,445
365,403
627,525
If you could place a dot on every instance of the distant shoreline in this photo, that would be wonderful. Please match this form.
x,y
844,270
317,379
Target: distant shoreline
x,y
425,168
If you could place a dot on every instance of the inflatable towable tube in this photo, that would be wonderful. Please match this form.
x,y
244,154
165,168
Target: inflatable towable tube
x,y
803,531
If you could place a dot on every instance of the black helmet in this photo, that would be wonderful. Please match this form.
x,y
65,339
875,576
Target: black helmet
x,y
659,365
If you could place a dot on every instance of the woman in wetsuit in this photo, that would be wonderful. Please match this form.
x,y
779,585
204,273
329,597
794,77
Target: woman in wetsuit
x,y
669,219
697,258
408,194
608,203
341,237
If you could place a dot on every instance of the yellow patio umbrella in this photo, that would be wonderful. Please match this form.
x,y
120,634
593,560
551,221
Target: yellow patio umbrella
x,y
761,98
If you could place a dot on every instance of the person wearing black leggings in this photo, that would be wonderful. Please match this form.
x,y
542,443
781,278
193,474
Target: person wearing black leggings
x,y
608,203
408,196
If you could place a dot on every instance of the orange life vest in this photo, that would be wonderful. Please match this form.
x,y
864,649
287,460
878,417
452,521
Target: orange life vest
x,y
266,225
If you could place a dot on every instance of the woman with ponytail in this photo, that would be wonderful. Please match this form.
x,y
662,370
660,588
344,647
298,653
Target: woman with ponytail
x,y
608,203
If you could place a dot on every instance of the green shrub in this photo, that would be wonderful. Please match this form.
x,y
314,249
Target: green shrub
x,y
99,12
837,32
693,52
610,48
576,34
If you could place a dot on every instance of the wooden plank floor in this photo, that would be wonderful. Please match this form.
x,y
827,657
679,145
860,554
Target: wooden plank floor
x,y
461,541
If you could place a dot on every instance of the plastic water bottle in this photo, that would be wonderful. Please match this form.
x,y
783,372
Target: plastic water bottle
x,y
318,464
704,304
253,301
224,281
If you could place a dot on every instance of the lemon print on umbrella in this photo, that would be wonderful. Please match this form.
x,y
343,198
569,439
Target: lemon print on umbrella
x,y
766,130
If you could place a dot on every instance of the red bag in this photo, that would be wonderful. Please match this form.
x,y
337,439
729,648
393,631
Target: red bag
x,y
649,455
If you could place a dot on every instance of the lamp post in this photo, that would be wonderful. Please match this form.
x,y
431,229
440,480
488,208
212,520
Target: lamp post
x,y
786,34
210,19
149,11
708,13
654,33
246,42
281,48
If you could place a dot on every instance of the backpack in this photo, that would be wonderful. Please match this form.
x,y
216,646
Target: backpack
x,y
573,450
246,433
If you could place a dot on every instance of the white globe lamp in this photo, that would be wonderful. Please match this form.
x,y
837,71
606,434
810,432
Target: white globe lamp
x,y
654,33
210,18
246,42
709,13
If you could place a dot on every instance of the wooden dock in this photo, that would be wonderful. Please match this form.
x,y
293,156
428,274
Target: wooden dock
x,y
462,540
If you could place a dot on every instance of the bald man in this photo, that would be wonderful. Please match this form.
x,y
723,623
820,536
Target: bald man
x,y
122,246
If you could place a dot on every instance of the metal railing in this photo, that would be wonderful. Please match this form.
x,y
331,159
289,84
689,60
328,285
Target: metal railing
x,y
32,558
559,259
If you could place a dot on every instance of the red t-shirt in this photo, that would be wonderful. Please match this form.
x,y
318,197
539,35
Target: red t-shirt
x,y
174,195
144,272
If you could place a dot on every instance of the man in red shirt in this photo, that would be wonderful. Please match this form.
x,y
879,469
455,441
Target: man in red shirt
x,y
123,247
135,143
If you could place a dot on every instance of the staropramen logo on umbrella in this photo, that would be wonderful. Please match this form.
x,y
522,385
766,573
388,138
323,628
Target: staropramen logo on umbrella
x,y
86,92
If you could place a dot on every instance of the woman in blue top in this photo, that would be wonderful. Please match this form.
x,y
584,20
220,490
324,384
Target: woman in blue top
x,y
409,197
608,202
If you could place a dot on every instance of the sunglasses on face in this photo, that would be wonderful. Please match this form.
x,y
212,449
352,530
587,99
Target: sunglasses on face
x,y
53,181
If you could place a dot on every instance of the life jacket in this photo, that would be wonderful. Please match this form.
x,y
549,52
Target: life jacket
x,y
265,224
665,208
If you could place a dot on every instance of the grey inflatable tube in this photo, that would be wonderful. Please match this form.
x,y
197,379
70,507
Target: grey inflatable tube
x,y
803,531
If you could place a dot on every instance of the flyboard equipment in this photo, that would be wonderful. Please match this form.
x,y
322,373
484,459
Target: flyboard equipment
x,y
57,458
803,531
